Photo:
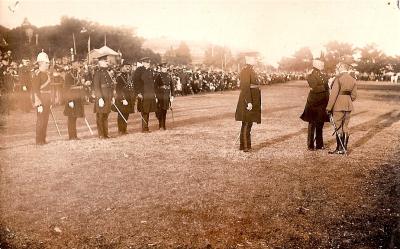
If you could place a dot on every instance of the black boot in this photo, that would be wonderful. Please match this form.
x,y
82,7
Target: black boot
x,y
310,136
346,140
338,146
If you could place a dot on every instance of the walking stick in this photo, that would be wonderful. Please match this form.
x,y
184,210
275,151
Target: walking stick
x,y
55,122
88,126
172,113
336,132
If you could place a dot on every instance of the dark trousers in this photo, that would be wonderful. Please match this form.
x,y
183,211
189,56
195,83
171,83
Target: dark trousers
x,y
72,133
162,116
102,124
41,124
245,135
315,136
122,125
145,121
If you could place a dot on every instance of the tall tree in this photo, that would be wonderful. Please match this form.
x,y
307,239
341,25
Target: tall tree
x,y
372,60
334,51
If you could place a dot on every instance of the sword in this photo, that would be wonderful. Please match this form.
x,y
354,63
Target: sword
x,y
120,113
88,126
336,130
55,122
142,118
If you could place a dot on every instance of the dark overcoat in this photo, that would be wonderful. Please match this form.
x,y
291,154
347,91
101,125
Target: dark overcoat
x,y
164,89
75,94
249,93
124,90
103,88
145,85
318,97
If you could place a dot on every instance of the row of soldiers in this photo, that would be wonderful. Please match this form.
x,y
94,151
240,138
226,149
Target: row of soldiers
x,y
151,92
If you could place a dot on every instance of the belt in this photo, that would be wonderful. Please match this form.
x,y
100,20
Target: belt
x,y
165,87
106,86
253,86
345,93
48,91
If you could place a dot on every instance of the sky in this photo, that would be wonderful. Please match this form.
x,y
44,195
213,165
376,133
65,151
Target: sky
x,y
276,28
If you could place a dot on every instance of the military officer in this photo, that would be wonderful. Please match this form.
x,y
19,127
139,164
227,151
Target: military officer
x,y
144,86
25,80
248,109
315,109
125,97
73,96
165,95
104,91
340,105
42,97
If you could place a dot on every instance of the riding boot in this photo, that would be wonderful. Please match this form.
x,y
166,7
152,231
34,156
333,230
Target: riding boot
x,y
338,146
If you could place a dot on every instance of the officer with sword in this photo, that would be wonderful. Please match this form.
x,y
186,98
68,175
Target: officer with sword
x,y
104,96
42,98
340,105
125,97
165,95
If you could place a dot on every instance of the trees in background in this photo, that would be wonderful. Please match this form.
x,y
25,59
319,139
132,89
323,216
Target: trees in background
x,y
57,40
178,56
368,59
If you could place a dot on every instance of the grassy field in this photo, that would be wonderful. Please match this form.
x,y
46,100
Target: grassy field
x,y
190,186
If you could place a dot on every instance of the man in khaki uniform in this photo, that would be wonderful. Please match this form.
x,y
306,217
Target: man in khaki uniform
x,y
340,105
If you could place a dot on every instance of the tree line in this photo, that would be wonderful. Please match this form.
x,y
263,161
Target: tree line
x,y
368,59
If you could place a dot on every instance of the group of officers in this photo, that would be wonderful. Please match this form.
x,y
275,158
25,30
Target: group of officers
x,y
150,92
329,100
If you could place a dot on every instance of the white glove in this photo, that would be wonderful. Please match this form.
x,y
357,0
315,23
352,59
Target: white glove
x,y
40,109
101,102
249,106
113,101
24,88
124,102
140,96
171,99
156,100
71,104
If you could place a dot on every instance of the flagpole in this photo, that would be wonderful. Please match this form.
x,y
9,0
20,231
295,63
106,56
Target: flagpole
x,y
73,38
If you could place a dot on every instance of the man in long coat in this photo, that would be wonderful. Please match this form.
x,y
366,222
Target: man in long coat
x,y
248,109
73,97
125,97
103,86
144,86
315,109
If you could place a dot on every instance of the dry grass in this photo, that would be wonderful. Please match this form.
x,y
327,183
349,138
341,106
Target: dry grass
x,y
190,186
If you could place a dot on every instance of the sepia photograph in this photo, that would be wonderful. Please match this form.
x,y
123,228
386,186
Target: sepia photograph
x,y
199,124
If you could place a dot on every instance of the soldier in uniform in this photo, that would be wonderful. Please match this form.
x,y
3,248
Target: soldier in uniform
x,y
340,105
165,94
248,109
73,96
104,90
42,97
315,109
144,86
125,97
25,80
